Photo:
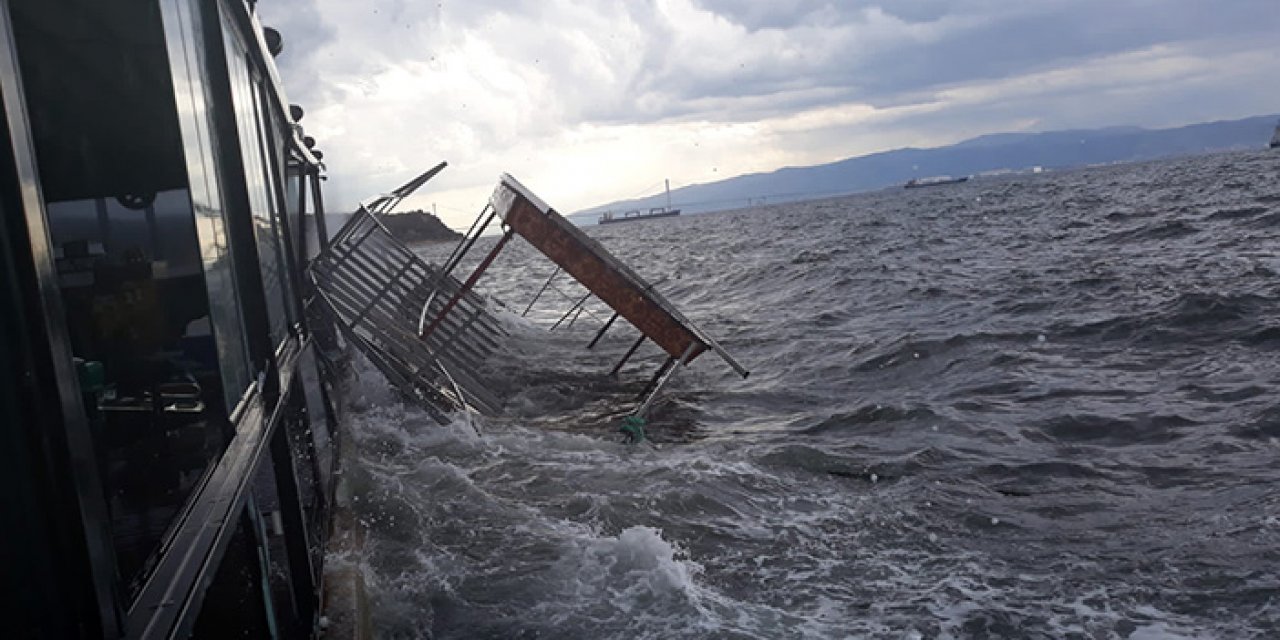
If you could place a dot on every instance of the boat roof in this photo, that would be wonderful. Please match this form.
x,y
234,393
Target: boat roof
x,y
612,281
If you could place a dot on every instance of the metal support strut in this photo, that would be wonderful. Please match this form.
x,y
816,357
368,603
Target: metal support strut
x,y
600,334
627,356
662,381
540,291
466,286
577,306
633,425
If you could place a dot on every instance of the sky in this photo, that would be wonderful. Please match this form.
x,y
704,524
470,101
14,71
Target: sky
x,y
590,102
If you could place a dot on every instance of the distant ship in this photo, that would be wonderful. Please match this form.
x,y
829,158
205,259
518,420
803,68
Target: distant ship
x,y
916,183
609,217
1275,138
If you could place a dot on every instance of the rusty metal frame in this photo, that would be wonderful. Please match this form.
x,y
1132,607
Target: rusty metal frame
x,y
466,286
604,275
374,287
660,380
429,333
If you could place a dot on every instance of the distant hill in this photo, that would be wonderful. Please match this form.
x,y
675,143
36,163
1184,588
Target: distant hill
x,y
417,227
989,153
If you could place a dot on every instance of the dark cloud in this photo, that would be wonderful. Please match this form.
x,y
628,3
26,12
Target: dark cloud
x,y
788,14
395,80
1059,36
987,40
874,51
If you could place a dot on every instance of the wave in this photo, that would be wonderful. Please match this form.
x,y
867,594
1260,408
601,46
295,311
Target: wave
x,y
1020,414
1109,430
1190,317
1237,213
1164,230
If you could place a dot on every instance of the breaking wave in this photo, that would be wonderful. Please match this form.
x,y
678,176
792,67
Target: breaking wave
x,y
1033,406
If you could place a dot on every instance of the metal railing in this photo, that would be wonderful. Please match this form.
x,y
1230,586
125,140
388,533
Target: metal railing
x,y
377,290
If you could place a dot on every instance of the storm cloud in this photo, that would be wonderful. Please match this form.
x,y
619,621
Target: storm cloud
x,y
593,101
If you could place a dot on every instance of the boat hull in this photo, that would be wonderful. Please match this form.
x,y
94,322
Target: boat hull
x,y
914,184
642,216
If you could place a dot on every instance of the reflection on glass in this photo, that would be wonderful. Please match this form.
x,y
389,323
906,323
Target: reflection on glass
x,y
138,318
141,254
188,64
259,174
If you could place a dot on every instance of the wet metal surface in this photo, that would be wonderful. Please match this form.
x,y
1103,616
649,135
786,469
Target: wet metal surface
x,y
603,274
378,289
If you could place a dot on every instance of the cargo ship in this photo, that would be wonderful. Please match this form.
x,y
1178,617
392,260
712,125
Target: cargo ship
x,y
169,400
666,211
917,183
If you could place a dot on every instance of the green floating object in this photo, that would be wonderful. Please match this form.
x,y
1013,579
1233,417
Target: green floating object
x,y
633,428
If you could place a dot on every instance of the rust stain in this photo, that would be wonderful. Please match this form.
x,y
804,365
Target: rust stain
x,y
600,272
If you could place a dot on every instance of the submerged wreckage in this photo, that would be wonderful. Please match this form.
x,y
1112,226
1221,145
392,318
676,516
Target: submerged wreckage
x,y
429,332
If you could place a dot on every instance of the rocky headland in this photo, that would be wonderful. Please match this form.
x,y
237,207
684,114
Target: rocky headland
x,y
418,227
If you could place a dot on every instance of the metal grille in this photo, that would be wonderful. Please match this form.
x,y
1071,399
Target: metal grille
x,y
379,292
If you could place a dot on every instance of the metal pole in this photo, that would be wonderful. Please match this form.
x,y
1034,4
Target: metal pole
x,y
305,250
465,236
627,356
657,375
576,316
460,251
317,201
644,407
600,334
540,291
724,355
466,286
566,315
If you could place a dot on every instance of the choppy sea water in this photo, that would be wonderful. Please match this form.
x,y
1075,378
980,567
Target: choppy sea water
x,y
1036,407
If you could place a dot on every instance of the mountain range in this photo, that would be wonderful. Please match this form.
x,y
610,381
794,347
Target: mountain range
x,y
995,153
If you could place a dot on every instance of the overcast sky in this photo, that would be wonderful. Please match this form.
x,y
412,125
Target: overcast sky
x,y
587,102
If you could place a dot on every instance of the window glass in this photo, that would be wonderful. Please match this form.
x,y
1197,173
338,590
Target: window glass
x,y
260,181
303,229
289,218
140,252
193,100
272,146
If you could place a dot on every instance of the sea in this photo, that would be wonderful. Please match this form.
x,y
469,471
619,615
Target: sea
x,y
1029,406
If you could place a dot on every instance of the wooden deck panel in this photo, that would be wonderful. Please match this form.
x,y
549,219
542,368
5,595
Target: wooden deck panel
x,y
598,270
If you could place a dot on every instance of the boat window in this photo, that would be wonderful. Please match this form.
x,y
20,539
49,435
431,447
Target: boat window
x,y
140,253
261,177
190,70
296,197
275,147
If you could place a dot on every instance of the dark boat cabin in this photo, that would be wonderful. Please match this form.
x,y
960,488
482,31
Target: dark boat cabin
x,y
168,432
